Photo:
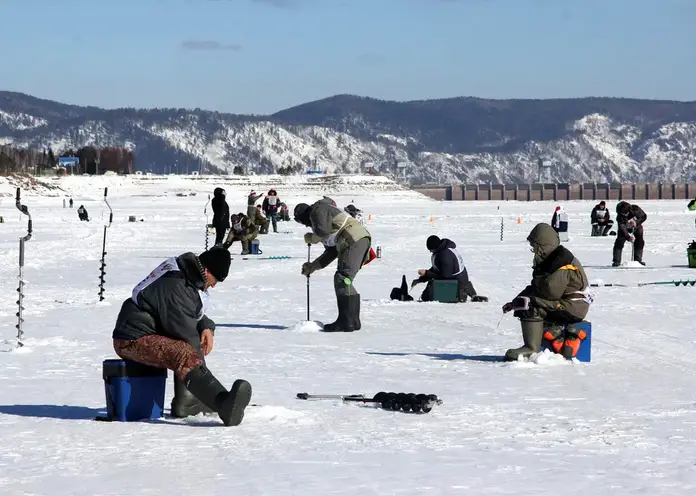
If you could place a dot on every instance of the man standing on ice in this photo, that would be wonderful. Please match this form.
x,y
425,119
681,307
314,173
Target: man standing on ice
x,y
557,296
630,219
252,198
221,215
344,238
163,324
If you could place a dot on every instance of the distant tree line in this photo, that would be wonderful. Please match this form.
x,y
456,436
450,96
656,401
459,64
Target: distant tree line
x,y
90,160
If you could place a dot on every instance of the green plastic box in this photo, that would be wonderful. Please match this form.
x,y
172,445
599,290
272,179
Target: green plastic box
x,y
446,291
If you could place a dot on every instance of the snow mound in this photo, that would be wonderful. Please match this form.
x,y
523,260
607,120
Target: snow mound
x,y
307,326
544,357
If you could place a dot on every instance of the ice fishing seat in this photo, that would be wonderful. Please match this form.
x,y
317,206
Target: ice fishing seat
x,y
584,353
134,391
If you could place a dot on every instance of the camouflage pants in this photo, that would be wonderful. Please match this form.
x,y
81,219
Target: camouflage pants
x,y
160,351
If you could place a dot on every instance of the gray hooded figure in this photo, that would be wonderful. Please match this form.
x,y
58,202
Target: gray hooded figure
x,y
556,296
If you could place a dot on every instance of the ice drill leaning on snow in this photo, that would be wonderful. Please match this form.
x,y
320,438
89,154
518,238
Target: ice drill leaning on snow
x,y
557,296
344,238
163,324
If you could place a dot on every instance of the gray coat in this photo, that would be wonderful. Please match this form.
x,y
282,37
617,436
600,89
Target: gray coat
x,y
170,306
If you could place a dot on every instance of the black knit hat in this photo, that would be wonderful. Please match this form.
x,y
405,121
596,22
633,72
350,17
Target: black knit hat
x,y
302,213
432,242
217,261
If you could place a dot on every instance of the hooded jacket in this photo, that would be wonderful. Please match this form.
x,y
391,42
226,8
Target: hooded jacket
x,y
559,281
221,211
446,263
333,227
171,305
598,214
271,203
626,212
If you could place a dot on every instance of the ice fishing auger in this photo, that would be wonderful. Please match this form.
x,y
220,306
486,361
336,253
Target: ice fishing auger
x,y
641,284
205,212
406,402
103,263
20,287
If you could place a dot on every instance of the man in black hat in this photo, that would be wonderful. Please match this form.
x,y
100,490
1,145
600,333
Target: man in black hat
x,y
163,324
446,264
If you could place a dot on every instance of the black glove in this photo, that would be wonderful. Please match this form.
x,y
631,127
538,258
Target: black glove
x,y
507,307
308,268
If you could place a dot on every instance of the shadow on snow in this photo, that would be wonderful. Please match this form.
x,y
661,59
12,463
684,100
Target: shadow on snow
x,y
444,356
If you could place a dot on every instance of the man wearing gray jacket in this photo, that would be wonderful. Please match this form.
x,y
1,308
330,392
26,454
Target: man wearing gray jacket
x,y
163,324
345,239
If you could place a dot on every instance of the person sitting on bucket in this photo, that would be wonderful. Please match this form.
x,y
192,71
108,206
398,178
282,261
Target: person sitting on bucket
x,y
601,219
447,264
163,324
82,213
557,296
344,238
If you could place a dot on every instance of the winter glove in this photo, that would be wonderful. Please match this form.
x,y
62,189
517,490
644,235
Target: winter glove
x,y
309,238
308,268
507,307
520,303
631,223
414,282
631,238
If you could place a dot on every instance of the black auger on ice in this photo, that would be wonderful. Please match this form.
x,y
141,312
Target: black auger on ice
x,y
406,402
20,287
102,271
207,233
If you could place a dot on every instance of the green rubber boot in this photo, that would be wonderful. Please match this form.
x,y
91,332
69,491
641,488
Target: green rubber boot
x,y
532,333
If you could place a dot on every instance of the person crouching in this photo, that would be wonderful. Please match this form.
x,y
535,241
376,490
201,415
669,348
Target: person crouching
x,y
163,324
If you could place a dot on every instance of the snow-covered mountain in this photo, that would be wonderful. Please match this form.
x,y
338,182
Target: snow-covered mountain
x,y
452,140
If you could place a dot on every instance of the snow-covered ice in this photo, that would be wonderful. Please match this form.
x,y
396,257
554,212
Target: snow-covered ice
x,y
623,424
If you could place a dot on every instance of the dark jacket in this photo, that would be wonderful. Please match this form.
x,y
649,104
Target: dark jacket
x,y
269,208
221,211
447,263
595,218
626,212
170,306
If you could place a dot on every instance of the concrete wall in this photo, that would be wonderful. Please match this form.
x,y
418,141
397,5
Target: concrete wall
x,y
559,192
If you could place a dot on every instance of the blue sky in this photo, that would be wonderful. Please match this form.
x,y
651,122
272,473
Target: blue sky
x,y
260,56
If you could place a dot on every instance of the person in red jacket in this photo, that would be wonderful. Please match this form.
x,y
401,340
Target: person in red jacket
x,y
270,207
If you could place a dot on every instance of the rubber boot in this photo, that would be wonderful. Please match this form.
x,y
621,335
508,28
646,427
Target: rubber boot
x,y
532,333
245,247
342,323
353,316
616,259
228,405
185,404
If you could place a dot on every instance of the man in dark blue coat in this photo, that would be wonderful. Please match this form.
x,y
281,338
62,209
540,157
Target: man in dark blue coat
x,y
163,324
446,264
